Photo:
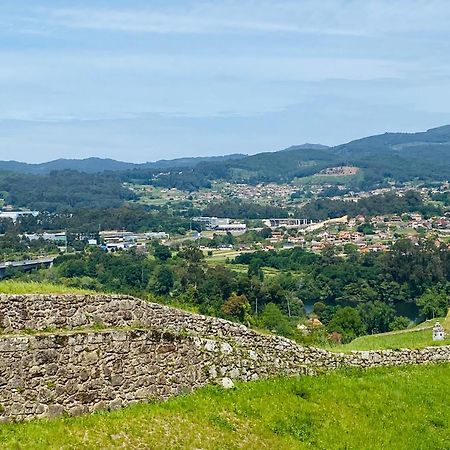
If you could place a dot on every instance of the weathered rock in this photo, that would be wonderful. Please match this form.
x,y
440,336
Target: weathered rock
x,y
226,383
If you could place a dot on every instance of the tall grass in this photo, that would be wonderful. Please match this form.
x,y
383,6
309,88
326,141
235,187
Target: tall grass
x,y
412,339
386,408
34,287
417,337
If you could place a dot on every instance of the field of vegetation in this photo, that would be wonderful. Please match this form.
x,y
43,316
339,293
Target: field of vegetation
x,y
414,337
351,409
417,337
33,287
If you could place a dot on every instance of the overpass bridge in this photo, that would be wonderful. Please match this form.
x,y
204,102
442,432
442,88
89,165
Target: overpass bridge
x,y
26,265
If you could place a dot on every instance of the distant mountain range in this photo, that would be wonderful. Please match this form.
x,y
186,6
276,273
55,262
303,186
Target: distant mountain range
x,y
389,156
96,165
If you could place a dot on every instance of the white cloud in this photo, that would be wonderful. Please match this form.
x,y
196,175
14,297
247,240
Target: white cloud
x,y
207,18
52,66
47,85
335,17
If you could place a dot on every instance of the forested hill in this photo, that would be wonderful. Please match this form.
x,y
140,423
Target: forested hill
x,y
397,156
401,156
374,160
377,159
64,190
390,156
97,165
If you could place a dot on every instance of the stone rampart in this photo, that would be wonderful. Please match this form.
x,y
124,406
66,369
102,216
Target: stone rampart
x,y
75,354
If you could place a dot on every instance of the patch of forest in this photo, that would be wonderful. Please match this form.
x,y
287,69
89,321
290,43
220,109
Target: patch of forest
x,y
64,190
361,294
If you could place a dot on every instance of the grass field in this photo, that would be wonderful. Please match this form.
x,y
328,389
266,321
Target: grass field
x,y
417,337
389,408
31,287
221,257
413,339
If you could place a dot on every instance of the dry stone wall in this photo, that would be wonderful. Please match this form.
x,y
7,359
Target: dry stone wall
x,y
75,354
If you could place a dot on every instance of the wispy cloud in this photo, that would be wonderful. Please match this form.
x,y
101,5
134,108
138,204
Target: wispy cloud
x,y
326,17
158,22
55,65
206,18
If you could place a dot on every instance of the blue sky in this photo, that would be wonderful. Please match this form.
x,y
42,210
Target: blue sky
x,y
143,80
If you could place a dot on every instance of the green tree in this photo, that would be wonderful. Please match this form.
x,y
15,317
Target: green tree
x,y
274,320
399,323
254,270
376,316
161,252
433,303
266,233
319,308
192,254
73,268
237,307
354,293
347,321
162,281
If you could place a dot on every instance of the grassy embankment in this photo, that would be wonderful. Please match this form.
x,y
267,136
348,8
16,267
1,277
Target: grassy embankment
x,y
220,257
401,408
32,287
417,337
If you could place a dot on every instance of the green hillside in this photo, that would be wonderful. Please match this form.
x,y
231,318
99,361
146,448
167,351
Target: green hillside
x,y
391,408
417,337
31,287
399,156
97,165
391,156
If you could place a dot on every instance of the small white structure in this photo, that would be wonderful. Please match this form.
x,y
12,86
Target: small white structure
x,y
303,329
14,215
438,332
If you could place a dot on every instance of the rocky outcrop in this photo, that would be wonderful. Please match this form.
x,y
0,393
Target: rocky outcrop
x,y
75,354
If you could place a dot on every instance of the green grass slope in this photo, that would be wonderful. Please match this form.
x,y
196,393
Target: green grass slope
x,y
388,408
417,337
31,287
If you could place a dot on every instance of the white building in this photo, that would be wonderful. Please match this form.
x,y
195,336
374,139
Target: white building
x,y
211,223
14,215
438,332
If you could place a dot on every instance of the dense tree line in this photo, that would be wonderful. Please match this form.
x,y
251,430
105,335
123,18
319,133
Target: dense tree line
x,y
351,296
388,203
374,286
184,179
15,247
239,209
64,190
324,208
443,197
91,220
